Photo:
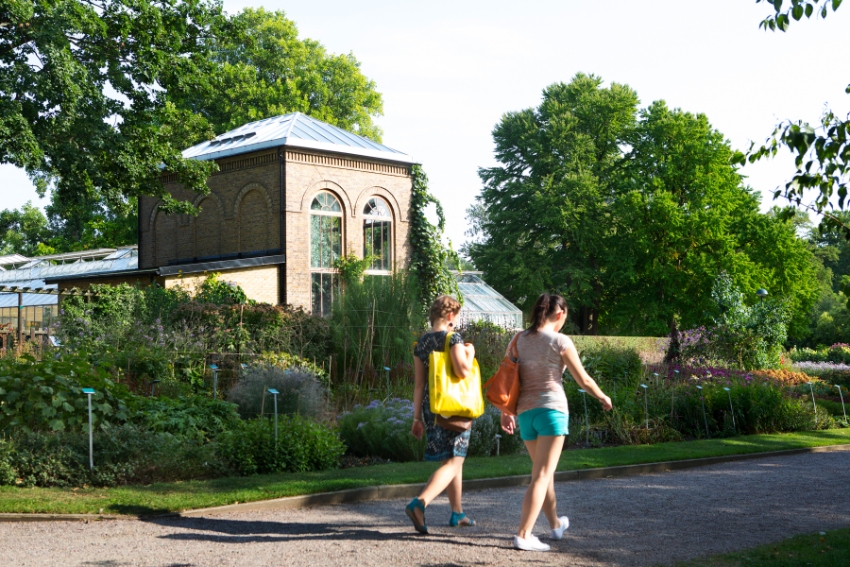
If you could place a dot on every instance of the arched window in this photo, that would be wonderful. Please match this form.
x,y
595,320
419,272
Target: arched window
x,y
325,248
377,234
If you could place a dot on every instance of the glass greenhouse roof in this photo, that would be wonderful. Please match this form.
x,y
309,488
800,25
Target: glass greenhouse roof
x,y
33,273
483,303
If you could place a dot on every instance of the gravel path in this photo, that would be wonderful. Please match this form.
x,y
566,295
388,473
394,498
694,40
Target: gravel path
x,y
644,520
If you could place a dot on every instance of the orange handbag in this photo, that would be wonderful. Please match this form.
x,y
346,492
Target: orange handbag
x,y
503,387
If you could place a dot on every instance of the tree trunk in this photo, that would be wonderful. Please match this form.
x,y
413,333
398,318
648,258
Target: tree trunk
x,y
589,321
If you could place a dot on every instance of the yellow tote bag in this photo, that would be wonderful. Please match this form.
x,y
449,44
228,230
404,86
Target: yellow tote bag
x,y
450,394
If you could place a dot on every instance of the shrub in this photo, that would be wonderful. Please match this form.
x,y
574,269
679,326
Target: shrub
x,y
194,417
122,455
482,438
611,363
748,337
300,392
491,341
831,372
286,361
381,430
782,376
46,396
303,445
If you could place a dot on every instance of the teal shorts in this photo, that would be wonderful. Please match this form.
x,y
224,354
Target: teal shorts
x,y
543,421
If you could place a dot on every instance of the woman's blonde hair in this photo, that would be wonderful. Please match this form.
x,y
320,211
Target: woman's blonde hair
x,y
442,306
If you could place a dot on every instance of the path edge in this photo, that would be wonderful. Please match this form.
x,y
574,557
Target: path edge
x,y
411,490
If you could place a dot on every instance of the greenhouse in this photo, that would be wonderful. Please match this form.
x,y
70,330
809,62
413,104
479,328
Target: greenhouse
x,y
483,303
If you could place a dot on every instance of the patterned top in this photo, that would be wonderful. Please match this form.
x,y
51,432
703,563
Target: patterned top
x,y
442,443
541,370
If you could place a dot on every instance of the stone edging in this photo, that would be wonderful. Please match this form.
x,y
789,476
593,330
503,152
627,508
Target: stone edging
x,y
411,490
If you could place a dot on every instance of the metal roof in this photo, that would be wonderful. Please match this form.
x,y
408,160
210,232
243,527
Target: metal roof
x,y
483,303
292,130
12,259
38,269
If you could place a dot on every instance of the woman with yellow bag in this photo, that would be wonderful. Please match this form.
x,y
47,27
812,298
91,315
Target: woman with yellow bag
x,y
448,442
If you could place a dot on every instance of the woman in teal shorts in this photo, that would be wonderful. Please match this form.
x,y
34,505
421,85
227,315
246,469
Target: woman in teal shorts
x,y
544,354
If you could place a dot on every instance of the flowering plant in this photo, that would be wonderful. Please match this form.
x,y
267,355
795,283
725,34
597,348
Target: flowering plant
x,y
381,429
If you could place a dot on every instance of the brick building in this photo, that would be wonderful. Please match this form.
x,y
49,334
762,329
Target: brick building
x,y
292,194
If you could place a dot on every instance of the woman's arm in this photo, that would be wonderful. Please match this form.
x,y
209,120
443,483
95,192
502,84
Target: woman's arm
x,y
580,375
418,427
462,357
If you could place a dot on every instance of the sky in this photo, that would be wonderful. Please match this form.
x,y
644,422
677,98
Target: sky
x,y
448,71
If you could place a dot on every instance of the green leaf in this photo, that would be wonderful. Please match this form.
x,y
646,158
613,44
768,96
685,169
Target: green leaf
x,y
809,10
57,425
835,4
797,12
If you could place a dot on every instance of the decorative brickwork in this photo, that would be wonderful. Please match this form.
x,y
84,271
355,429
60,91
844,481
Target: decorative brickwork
x,y
242,216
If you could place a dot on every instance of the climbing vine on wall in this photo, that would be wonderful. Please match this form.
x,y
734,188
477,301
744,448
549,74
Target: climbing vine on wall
x,y
428,255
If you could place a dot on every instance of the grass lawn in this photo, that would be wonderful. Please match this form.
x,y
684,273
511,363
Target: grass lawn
x,y
829,549
172,497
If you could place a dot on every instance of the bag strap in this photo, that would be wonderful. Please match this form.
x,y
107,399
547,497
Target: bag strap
x,y
447,345
513,345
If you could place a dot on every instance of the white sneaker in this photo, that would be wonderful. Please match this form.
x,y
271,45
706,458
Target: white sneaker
x,y
530,543
558,533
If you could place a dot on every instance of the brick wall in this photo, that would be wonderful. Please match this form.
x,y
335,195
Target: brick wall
x,y
241,214
353,180
259,284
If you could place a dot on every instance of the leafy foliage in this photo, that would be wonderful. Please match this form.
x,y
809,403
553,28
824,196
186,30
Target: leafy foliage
x,y
428,256
351,268
381,429
154,333
630,215
747,337
46,396
24,232
194,417
261,68
123,455
303,445
822,152
218,292
84,103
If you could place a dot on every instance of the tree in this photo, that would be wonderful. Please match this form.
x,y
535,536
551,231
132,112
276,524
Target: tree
x,y
96,96
631,217
682,216
822,152
264,70
84,88
550,196
24,232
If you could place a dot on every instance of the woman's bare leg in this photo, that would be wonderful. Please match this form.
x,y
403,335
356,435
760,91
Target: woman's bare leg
x,y
540,495
450,471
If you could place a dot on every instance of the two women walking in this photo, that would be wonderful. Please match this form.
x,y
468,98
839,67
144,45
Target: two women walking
x,y
542,414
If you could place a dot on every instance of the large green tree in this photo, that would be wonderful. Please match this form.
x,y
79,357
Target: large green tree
x,y
24,232
262,68
83,96
549,197
682,216
631,216
97,95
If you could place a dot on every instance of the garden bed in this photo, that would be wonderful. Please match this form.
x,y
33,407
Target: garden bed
x,y
180,496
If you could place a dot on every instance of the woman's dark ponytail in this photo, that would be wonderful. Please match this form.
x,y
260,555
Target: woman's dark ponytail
x,y
545,306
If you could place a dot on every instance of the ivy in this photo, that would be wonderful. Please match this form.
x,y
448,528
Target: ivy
x,y
429,258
